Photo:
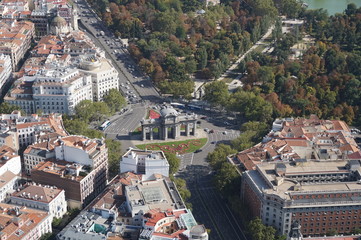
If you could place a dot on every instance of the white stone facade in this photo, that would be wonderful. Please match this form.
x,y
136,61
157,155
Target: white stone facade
x,y
104,76
5,69
53,91
145,162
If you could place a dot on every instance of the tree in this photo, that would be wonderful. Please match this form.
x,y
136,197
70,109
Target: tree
x,y
84,110
46,236
245,140
259,231
174,162
115,100
201,57
227,179
291,8
7,108
146,66
114,155
219,156
182,188
216,93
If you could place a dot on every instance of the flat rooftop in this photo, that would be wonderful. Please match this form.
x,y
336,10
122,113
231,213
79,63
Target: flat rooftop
x,y
310,177
154,194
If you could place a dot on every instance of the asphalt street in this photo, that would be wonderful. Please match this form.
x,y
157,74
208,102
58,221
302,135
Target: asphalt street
x,y
127,122
209,208
139,86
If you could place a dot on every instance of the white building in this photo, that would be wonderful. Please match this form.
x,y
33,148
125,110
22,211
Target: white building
x,y
10,169
104,76
45,198
57,90
144,162
10,161
5,69
8,182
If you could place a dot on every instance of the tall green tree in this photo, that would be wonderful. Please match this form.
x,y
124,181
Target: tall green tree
x,y
259,231
174,162
114,100
216,93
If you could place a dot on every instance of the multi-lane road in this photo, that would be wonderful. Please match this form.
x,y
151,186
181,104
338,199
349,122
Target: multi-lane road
x,y
208,205
133,83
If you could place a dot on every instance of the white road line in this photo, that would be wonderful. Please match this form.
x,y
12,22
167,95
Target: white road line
x,y
192,159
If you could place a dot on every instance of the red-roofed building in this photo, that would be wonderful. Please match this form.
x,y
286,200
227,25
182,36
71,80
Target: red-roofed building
x,y
172,224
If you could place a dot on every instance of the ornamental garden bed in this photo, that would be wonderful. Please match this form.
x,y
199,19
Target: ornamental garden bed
x,y
179,147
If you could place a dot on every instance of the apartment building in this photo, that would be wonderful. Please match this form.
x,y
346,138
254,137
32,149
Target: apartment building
x,y
5,70
80,167
300,138
144,162
56,90
18,131
15,39
41,13
104,75
23,223
43,197
125,200
321,195
170,225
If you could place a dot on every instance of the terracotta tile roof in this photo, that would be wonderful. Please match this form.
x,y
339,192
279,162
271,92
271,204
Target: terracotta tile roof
x,y
38,193
30,219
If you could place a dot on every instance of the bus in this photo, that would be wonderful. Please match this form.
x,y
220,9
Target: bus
x,y
178,105
194,107
104,125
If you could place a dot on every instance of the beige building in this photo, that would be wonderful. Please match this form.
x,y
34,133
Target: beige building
x,y
104,75
46,198
15,39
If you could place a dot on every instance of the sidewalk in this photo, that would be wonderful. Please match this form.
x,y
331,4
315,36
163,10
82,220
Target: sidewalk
x,y
200,133
234,65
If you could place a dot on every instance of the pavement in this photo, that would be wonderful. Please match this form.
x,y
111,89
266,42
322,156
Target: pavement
x,y
241,58
139,84
209,207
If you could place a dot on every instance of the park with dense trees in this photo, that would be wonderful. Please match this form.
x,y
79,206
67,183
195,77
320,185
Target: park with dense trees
x,y
173,41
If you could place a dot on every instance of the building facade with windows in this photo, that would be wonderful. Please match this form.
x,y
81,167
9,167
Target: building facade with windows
x,y
321,195
144,162
79,166
46,198
5,70
23,223
15,39
57,90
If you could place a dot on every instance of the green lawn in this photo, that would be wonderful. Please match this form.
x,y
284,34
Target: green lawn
x,y
179,147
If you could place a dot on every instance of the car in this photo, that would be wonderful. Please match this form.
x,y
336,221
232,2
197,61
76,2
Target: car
x,y
128,82
225,132
206,130
127,87
211,131
122,84
141,85
198,151
199,122
213,142
203,117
